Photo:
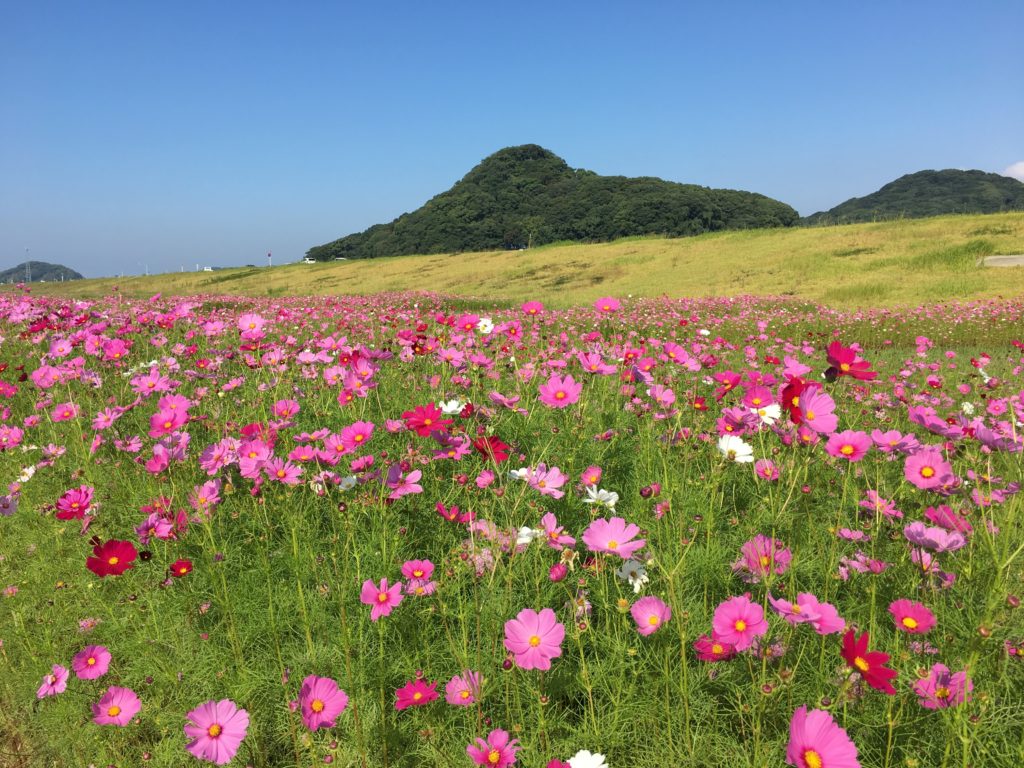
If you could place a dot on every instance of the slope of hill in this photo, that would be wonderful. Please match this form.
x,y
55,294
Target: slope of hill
x,y
929,193
37,272
905,262
526,196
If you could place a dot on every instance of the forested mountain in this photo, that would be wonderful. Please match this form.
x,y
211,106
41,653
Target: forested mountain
x,y
38,271
929,193
527,195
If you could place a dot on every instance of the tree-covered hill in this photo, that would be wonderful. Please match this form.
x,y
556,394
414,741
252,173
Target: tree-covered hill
x,y
929,193
527,195
38,272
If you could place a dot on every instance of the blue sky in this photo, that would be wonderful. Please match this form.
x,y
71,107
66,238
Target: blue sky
x,y
164,135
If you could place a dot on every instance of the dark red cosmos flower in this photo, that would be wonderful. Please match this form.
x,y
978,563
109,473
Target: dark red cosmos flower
x,y
846,362
424,419
870,664
112,558
791,398
491,448
181,568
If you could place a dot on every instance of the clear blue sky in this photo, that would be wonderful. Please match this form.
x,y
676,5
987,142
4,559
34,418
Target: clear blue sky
x,y
166,134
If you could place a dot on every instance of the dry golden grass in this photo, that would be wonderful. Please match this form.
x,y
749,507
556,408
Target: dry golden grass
x,y
882,264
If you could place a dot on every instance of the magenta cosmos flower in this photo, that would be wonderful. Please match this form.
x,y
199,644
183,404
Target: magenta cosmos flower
x,y
613,537
737,621
941,689
559,393
117,707
607,304
498,751
415,693
650,613
911,616
815,741
382,599
216,729
534,638
54,683
849,444
91,662
321,701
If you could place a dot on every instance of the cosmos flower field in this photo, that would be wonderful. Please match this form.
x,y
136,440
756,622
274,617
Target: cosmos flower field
x,y
412,530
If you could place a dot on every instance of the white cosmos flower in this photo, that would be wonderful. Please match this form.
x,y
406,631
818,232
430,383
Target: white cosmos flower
x,y
484,325
634,572
601,497
519,474
452,407
967,408
527,535
769,414
348,483
734,449
587,759
27,473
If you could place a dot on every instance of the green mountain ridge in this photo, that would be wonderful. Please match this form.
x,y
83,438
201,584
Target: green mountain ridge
x,y
38,272
526,196
929,193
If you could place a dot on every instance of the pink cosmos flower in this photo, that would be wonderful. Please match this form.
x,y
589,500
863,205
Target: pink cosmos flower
x,y
382,598
607,305
216,729
418,569
911,617
613,537
737,621
74,503
415,693
933,538
497,751
532,308
554,534
64,412
117,707
91,662
591,476
534,638
463,690
941,689
54,683
822,616
817,410
766,470
849,444
283,471
402,485
321,701
760,557
560,392
815,741
713,649
356,435
547,481
927,469
650,613
285,409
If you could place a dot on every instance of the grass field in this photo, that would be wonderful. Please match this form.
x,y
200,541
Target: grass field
x,y
884,264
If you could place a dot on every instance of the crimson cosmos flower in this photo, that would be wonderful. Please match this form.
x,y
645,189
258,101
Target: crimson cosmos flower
x,y
111,558
870,664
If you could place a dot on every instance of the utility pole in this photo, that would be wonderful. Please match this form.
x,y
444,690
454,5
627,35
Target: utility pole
x,y
270,261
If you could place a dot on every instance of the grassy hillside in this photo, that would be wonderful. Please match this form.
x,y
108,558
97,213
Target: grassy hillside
x,y
888,263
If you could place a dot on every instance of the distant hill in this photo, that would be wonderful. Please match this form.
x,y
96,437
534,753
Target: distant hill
x,y
929,193
527,195
39,271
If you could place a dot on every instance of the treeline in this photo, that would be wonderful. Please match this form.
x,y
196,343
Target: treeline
x,y
929,193
527,196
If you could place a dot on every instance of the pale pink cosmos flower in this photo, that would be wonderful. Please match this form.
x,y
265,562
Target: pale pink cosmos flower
x,y
546,481
737,621
382,599
463,690
216,730
54,683
613,537
534,638
817,411
554,534
822,616
650,613
321,701
760,557
933,538
117,707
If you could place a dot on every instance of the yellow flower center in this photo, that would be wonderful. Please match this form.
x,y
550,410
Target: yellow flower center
x,y
844,366
494,757
740,625
716,648
909,623
280,473
534,641
860,664
927,471
382,597
418,573
317,705
810,416
812,759
358,438
114,711
428,422
653,621
765,560
794,608
214,731
417,696
90,661
464,694
846,450
942,693
613,544
559,395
